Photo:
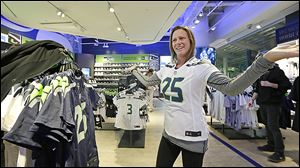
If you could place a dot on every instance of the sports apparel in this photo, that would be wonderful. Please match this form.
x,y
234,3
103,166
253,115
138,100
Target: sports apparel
x,y
130,116
57,122
220,81
237,85
194,146
184,90
20,134
11,107
84,149
27,61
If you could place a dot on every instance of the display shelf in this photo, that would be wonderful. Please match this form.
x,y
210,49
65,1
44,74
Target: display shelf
x,y
108,74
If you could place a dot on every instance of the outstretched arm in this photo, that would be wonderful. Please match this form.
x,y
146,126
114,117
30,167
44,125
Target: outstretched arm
x,y
145,80
235,86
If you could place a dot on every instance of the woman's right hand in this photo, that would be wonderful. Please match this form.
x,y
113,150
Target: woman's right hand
x,y
130,69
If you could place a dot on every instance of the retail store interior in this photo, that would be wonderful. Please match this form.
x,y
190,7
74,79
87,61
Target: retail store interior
x,y
103,40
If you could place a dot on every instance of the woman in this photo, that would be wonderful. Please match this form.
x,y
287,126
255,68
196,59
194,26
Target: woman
x,y
183,85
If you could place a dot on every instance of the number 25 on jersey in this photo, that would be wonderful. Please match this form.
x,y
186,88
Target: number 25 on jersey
x,y
174,90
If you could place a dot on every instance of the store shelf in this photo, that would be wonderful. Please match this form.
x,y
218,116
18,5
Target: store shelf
x,y
107,75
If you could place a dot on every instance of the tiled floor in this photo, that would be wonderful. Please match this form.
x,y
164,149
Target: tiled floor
x,y
218,154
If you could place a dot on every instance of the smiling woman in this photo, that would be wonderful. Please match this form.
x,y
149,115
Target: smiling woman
x,y
183,85
182,45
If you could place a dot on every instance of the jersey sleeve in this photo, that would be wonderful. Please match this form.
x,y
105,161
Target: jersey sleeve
x,y
207,70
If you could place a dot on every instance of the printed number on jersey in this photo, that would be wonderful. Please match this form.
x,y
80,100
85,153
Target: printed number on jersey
x,y
175,93
81,118
129,108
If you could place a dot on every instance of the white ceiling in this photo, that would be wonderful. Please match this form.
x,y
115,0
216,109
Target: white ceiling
x,y
144,22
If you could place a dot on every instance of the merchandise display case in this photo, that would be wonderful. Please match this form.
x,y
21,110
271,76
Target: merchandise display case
x,y
107,75
109,69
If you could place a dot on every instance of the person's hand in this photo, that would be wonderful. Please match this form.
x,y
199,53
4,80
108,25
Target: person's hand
x,y
250,103
265,83
282,51
130,69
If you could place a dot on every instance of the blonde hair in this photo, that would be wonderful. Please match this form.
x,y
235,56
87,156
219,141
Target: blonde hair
x,y
191,37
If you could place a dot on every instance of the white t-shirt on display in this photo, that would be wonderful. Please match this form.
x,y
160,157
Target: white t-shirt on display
x,y
129,115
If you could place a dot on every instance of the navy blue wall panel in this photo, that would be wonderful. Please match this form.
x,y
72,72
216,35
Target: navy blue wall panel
x,y
159,48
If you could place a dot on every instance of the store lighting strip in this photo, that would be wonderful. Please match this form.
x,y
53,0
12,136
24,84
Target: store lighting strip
x,y
74,21
120,24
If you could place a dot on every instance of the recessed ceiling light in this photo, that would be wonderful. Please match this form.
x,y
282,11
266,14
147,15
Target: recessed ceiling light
x,y
197,21
112,10
200,14
58,13
119,29
258,26
62,15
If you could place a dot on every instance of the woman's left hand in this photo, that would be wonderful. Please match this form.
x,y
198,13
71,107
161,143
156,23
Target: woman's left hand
x,y
282,51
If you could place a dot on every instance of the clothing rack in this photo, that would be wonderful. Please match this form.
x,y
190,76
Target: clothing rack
x,y
232,134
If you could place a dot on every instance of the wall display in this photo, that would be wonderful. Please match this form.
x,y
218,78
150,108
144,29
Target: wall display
x,y
154,62
206,52
108,69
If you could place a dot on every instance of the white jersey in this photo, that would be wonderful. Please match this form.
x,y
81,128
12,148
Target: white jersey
x,y
11,107
184,91
129,115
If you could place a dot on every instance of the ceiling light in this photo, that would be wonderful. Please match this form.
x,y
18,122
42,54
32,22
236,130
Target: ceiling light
x,y
62,15
200,14
58,13
119,29
258,26
213,28
105,45
197,21
193,27
112,10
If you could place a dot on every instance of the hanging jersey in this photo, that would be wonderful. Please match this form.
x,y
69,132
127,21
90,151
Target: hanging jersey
x,y
11,107
184,90
83,150
48,122
20,134
131,115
